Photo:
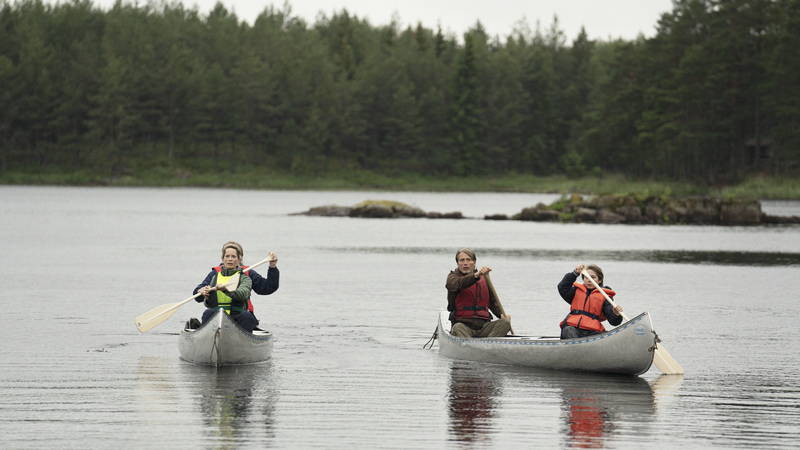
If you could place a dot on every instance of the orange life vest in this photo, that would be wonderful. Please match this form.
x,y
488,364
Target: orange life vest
x,y
586,309
473,302
218,269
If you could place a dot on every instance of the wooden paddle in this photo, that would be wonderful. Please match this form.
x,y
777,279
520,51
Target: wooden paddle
x,y
497,299
159,314
663,360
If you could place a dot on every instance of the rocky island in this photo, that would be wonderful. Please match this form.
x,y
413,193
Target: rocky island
x,y
575,208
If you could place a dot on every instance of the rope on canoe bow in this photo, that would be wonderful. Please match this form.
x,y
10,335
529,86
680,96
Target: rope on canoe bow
x,y
215,345
656,341
431,341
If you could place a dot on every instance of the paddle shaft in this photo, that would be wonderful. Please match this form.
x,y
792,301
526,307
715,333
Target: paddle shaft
x,y
614,305
497,299
663,360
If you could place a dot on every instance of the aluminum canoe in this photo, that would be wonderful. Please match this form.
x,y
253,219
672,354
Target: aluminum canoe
x,y
222,342
626,349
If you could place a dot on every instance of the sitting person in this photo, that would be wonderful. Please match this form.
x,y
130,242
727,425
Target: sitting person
x,y
232,300
470,300
261,285
588,307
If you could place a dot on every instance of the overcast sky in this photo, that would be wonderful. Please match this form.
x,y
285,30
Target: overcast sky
x,y
603,19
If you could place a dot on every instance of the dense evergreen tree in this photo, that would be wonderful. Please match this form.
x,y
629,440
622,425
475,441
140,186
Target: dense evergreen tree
x,y
712,96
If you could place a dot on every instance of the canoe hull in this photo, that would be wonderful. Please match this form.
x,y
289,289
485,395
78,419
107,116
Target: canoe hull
x,y
221,342
626,349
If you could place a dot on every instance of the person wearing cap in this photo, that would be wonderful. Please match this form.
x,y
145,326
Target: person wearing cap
x,y
470,301
234,301
588,306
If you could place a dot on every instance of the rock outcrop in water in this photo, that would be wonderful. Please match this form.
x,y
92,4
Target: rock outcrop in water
x,y
607,209
630,209
380,209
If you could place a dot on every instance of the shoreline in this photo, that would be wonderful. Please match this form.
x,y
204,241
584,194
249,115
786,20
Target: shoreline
x,y
757,187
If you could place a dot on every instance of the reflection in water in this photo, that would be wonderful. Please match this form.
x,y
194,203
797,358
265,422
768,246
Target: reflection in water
x,y
471,400
155,383
227,397
593,408
593,405
665,388
744,258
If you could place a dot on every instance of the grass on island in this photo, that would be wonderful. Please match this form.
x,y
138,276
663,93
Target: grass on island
x,y
757,187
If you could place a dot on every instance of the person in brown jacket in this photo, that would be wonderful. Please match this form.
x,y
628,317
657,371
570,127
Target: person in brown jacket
x,y
471,302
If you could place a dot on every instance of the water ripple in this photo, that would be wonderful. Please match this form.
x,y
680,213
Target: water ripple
x,y
737,258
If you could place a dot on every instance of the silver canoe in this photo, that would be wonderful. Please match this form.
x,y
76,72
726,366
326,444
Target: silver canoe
x,y
626,349
221,342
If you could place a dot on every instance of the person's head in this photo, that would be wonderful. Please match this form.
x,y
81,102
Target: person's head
x,y
596,273
465,258
232,254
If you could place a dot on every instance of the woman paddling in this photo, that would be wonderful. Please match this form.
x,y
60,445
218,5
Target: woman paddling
x,y
261,285
234,299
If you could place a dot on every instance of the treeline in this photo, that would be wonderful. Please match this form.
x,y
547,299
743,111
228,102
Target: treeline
x,y
713,96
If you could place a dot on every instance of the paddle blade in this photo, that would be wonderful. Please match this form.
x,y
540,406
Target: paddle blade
x,y
156,316
665,362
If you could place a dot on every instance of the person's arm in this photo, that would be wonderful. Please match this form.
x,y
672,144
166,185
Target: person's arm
x,y
456,281
242,292
268,285
565,287
205,282
612,316
451,301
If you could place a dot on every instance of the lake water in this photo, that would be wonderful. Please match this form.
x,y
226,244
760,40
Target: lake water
x,y
358,299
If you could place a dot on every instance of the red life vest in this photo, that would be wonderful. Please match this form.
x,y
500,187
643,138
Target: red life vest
x,y
218,269
473,302
586,311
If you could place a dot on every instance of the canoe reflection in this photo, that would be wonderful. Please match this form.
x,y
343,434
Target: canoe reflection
x,y
471,398
236,402
592,408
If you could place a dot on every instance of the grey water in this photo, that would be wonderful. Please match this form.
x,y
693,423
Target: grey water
x,y
358,299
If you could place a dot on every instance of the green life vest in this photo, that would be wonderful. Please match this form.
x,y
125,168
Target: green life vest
x,y
223,300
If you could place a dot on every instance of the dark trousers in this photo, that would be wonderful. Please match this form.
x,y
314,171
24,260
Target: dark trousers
x,y
569,332
245,319
494,328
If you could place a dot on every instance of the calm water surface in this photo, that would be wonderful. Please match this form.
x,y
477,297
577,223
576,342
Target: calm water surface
x,y
358,298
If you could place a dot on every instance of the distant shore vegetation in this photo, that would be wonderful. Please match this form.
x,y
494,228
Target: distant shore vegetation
x,y
755,187
158,94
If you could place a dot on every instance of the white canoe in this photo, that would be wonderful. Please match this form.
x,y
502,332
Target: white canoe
x,y
626,349
222,342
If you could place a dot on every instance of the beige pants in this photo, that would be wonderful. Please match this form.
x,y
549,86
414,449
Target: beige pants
x,y
495,328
